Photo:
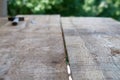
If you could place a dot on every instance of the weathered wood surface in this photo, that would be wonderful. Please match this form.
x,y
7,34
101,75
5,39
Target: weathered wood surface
x,y
93,46
33,50
3,21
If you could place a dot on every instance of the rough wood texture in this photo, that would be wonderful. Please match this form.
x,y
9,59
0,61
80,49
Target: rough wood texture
x,y
33,50
93,46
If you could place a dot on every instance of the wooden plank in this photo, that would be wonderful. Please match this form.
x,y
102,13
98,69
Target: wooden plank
x,y
33,50
3,21
93,47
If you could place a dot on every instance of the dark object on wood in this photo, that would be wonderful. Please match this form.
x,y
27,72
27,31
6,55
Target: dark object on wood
x,y
12,18
15,20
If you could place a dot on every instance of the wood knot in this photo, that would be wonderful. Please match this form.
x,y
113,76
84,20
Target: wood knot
x,y
55,62
115,51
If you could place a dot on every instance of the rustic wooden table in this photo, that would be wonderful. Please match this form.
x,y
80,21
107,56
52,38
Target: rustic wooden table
x,y
93,46
33,50
36,49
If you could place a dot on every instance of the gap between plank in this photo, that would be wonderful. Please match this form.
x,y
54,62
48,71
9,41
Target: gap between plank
x,y
67,58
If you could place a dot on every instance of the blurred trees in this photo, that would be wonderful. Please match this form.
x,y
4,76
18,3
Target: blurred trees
x,y
101,8
30,6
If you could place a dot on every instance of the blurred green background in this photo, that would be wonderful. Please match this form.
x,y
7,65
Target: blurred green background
x,y
95,8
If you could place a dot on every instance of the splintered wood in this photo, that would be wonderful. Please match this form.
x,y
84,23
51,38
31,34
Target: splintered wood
x,y
93,46
33,50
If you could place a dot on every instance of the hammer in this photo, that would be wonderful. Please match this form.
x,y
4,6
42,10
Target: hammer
x,y
15,20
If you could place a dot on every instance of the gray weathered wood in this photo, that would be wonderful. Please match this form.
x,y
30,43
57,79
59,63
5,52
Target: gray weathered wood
x,y
3,8
93,46
33,50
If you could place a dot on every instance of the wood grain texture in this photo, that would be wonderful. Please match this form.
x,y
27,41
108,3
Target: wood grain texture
x,y
93,46
33,50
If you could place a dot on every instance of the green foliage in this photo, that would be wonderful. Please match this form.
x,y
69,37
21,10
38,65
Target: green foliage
x,y
30,6
99,8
